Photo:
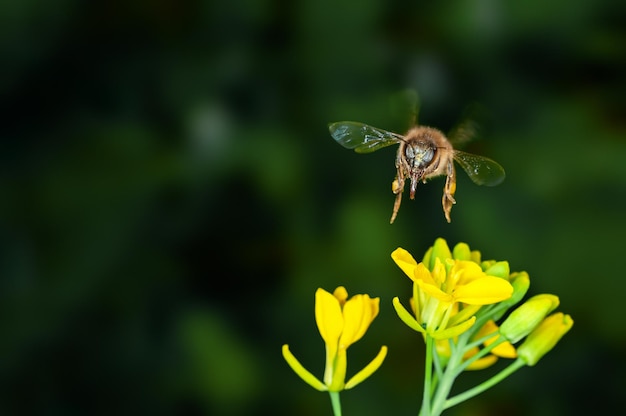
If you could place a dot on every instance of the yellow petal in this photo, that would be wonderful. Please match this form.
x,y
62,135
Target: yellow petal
x,y
443,349
435,292
328,316
368,370
483,363
484,291
490,328
464,272
405,261
420,272
505,349
358,313
480,363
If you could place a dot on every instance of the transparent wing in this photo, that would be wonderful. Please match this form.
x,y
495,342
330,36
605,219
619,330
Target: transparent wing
x,y
468,128
361,137
481,170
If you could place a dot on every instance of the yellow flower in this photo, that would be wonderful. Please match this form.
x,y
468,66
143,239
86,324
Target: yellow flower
x,y
447,286
341,322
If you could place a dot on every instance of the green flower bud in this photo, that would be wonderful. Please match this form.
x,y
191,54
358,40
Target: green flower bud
x,y
544,338
461,252
521,283
438,250
499,269
527,316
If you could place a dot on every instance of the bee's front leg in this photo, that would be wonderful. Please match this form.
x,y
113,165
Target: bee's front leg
x,y
448,191
397,186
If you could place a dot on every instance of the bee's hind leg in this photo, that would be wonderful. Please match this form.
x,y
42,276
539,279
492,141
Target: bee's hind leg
x,y
448,192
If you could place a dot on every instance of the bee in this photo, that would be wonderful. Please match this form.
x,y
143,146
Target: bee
x,y
423,153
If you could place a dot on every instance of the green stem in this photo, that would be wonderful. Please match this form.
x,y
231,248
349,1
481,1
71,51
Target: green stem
x,y
468,394
334,399
444,387
449,375
437,374
428,369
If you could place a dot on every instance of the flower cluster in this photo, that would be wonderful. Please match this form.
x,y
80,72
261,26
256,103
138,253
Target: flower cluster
x,y
457,303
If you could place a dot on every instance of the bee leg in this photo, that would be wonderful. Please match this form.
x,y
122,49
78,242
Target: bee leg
x,y
448,191
397,186
396,207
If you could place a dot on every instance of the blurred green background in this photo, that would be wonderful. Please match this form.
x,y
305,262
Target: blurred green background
x,y
171,197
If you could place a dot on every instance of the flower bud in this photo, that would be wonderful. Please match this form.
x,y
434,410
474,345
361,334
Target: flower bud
x,y
521,283
527,316
462,252
438,250
499,269
544,338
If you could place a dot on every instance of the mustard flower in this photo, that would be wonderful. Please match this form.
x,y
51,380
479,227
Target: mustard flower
x,y
448,289
341,322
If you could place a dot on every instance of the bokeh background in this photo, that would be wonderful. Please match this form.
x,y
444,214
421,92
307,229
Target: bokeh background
x,y
171,198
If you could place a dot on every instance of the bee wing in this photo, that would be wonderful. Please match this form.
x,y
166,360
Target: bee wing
x,y
468,127
361,137
481,170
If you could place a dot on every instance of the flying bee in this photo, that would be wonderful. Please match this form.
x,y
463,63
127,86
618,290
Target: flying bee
x,y
423,153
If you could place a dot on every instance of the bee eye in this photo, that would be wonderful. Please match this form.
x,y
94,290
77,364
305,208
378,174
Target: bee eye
x,y
428,154
419,154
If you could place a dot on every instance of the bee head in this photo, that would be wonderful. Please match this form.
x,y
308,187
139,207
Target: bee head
x,y
419,154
